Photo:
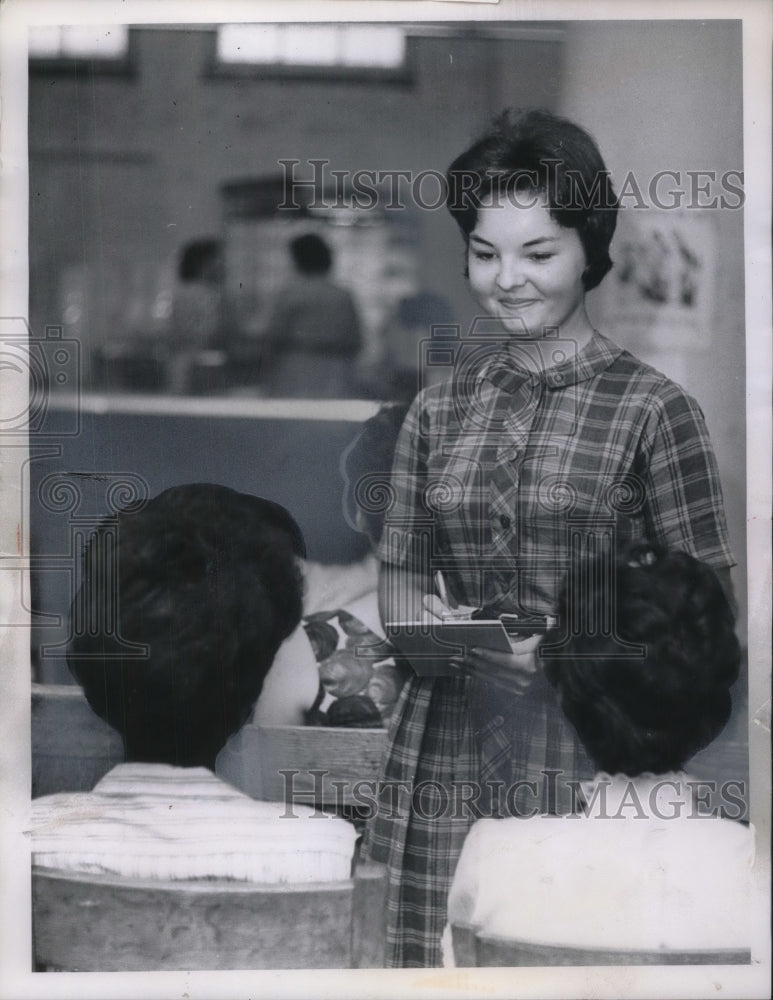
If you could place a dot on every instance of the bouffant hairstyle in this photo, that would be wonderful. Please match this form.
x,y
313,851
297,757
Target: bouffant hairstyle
x,y
653,710
367,465
311,254
206,584
539,153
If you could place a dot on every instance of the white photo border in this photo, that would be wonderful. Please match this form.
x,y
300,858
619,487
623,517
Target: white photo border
x,y
16,982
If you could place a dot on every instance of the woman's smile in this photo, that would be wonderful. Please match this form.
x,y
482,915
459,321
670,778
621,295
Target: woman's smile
x,y
518,303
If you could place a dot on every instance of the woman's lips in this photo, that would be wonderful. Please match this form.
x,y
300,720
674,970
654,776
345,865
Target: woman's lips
x,y
517,303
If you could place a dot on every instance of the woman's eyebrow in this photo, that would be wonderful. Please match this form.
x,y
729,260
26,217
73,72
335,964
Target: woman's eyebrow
x,y
540,239
479,239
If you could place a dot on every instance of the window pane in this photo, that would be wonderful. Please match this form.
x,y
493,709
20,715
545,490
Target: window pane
x,y
310,44
248,43
377,45
373,45
45,41
108,41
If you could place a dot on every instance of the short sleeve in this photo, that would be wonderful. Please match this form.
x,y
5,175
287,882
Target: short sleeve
x,y
684,507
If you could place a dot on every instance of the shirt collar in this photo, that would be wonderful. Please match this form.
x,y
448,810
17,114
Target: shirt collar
x,y
504,371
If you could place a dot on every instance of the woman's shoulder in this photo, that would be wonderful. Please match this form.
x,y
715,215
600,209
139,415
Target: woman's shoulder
x,y
644,381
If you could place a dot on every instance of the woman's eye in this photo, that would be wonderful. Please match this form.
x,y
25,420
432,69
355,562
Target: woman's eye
x,y
482,254
541,257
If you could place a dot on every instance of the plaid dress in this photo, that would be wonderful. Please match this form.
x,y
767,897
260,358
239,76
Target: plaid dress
x,y
502,476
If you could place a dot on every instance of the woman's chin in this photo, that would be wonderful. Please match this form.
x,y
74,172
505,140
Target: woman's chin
x,y
517,330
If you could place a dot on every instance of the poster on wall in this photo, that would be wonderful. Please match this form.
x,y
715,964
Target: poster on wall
x,y
146,254
661,298
664,279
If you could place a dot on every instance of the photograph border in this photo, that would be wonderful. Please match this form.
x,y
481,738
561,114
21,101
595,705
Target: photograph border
x,y
16,982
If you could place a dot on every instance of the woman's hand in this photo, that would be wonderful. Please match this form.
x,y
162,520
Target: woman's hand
x,y
512,672
441,612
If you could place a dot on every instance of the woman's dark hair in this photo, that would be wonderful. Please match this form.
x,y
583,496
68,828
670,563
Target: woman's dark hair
x,y
649,708
536,151
196,256
367,467
207,587
311,254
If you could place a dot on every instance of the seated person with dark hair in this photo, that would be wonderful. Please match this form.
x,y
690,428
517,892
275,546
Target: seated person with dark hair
x,y
209,583
639,866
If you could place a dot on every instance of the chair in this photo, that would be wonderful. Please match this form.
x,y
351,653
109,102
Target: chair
x,y
105,923
472,948
311,765
85,922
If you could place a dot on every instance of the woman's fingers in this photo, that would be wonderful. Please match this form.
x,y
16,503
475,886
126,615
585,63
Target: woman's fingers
x,y
527,644
524,662
435,606
512,671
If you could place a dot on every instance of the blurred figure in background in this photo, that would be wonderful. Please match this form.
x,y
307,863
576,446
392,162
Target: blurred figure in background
x,y
197,324
411,321
313,338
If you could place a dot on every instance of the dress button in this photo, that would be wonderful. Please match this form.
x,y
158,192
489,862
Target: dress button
x,y
498,720
505,521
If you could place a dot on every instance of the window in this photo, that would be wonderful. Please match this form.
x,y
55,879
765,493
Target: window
x,y
319,49
101,47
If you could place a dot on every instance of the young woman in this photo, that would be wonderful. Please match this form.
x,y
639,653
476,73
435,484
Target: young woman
x,y
548,439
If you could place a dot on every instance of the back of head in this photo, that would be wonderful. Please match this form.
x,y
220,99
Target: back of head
x,y
651,709
311,254
535,151
208,583
367,466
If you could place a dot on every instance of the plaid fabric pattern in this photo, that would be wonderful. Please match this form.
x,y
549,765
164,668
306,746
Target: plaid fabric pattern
x,y
498,477
418,830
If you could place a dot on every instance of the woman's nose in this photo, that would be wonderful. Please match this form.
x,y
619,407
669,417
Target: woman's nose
x,y
510,274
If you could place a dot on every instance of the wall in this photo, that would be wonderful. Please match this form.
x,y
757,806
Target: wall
x,y
668,96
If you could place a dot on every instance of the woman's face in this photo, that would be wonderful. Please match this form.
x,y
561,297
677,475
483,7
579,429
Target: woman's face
x,y
526,271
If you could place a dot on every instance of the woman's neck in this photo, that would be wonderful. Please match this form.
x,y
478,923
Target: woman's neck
x,y
540,354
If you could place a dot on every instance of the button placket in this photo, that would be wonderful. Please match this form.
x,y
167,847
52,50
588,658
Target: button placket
x,y
505,477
